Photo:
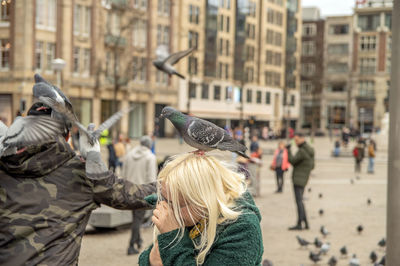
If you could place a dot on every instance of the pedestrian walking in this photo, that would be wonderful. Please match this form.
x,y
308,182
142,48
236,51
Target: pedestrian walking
x,y
371,156
280,164
139,167
358,153
119,148
203,216
303,163
336,151
47,195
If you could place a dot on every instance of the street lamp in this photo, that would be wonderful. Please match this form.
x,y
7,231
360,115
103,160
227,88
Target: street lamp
x,y
58,65
362,111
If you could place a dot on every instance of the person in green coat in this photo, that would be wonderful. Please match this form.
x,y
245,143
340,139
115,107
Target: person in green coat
x,y
204,216
303,163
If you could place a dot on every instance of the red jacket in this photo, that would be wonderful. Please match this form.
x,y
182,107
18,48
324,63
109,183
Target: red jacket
x,y
285,159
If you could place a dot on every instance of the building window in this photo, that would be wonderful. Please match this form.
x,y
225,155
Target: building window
x,y
308,48
5,11
249,74
228,93
270,15
268,98
270,36
141,4
77,19
204,91
227,48
307,69
162,35
76,60
278,18
272,78
366,89
221,47
38,55
50,55
367,65
249,53
228,23
309,29
221,22
249,95
139,33
368,43
88,19
193,39
86,62
161,78
337,67
338,49
258,97
192,65
388,20
226,71
140,69
269,57
307,87
339,29
220,69
194,12
217,92
292,100
228,4
337,87
368,22
278,39
192,90
163,7
4,54
46,11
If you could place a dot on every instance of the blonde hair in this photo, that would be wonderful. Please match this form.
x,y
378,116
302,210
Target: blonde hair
x,y
208,185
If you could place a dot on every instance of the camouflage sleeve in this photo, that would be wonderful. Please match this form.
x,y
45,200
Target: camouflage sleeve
x,y
115,192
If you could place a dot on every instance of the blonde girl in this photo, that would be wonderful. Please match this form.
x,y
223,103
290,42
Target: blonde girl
x,y
204,216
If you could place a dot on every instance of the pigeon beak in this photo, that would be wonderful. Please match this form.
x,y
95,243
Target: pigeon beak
x,y
161,116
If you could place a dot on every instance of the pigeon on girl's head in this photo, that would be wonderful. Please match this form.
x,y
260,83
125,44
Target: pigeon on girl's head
x,y
201,134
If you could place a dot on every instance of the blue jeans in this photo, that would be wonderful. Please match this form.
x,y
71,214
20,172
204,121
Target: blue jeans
x,y
371,165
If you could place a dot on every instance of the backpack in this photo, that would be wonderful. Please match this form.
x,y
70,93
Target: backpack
x,y
371,151
355,152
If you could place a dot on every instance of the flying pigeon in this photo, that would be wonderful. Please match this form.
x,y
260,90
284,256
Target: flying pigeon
x,y
360,228
317,243
325,248
332,261
165,62
324,231
354,261
382,243
91,134
373,257
343,251
26,131
302,242
315,257
201,134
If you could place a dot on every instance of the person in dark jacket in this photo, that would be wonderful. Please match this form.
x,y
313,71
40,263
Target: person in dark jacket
x,y
303,163
359,153
47,194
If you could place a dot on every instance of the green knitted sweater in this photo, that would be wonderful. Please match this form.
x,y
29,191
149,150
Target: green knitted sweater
x,y
236,243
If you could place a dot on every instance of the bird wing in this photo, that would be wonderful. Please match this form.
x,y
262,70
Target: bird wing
x,y
3,129
205,133
111,121
175,57
31,130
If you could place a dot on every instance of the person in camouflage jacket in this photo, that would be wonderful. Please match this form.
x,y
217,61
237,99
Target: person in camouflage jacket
x,y
47,195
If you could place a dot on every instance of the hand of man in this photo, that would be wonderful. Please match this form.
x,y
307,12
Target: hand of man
x,y
163,218
155,257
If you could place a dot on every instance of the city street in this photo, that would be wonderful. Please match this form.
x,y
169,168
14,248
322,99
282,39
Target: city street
x,y
344,204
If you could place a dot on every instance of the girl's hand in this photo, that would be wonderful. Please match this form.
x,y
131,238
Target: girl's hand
x,y
155,257
163,218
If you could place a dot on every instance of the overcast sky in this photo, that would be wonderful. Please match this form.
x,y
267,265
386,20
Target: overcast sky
x,y
331,7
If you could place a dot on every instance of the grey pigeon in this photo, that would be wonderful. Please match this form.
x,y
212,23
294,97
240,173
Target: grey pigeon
x,y
165,62
315,257
373,257
302,242
317,243
343,251
267,263
26,131
324,231
201,134
91,134
332,261
325,248
354,261
44,90
382,243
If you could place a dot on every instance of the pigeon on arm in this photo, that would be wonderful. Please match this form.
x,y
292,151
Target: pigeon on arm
x,y
202,134
165,62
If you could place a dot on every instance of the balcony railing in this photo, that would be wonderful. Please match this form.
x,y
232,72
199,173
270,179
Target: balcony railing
x,y
374,3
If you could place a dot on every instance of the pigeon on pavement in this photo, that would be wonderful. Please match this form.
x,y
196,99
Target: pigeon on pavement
x,y
373,257
324,231
360,228
369,201
354,261
332,261
318,243
325,248
26,131
165,62
302,242
382,262
321,212
320,195
201,134
267,263
343,251
315,257
382,243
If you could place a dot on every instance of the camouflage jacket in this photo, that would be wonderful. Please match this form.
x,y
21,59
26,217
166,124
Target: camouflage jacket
x,y
45,202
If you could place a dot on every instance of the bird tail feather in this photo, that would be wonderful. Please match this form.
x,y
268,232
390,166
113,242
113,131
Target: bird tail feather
x,y
179,75
242,154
